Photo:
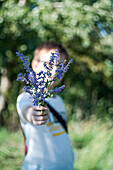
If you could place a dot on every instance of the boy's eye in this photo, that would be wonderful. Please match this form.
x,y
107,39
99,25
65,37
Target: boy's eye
x,y
47,63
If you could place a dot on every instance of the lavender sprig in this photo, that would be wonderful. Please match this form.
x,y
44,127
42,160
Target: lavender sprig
x,y
68,65
58,89
39,83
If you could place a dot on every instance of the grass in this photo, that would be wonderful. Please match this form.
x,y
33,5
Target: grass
x,y
93,145
92,142
11,150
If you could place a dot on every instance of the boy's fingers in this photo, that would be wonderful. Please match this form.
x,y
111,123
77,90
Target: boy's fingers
x,y
39,122
39,113
40,118
37,108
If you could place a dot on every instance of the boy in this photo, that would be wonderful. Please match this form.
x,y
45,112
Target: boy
x,y
47,145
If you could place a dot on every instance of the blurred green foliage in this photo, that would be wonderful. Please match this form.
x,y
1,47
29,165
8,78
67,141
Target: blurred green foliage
x,y
92,143
84,28
11,150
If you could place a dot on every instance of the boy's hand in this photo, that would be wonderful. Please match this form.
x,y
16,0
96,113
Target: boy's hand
x,y
39,115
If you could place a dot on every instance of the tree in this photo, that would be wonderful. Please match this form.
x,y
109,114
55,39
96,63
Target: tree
x,y
84,28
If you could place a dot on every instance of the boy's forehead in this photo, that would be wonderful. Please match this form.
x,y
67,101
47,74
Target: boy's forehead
x,y
45,54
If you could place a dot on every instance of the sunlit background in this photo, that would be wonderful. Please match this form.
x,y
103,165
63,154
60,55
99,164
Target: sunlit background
x,y
85,28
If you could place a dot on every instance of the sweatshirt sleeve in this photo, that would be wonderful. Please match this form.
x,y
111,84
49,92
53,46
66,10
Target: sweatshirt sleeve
x,y
22,101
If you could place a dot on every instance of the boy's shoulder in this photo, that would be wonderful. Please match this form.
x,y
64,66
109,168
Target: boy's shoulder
x,y
57,103
23,95
55,99
24,99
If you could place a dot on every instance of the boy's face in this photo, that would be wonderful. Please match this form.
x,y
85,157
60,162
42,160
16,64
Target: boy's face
x,y
39,65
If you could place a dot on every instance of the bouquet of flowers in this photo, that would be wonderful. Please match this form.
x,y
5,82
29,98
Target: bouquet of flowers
x,y
37,84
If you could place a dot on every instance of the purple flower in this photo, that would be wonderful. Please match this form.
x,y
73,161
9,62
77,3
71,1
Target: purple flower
x,y
45,65
21,77
41,72
51,62
35,102
28,89
25,61
39,84
59,71
67,66
59,74
58,89
49,74
32,78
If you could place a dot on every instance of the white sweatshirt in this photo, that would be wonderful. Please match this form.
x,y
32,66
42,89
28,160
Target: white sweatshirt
x,y
48,146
